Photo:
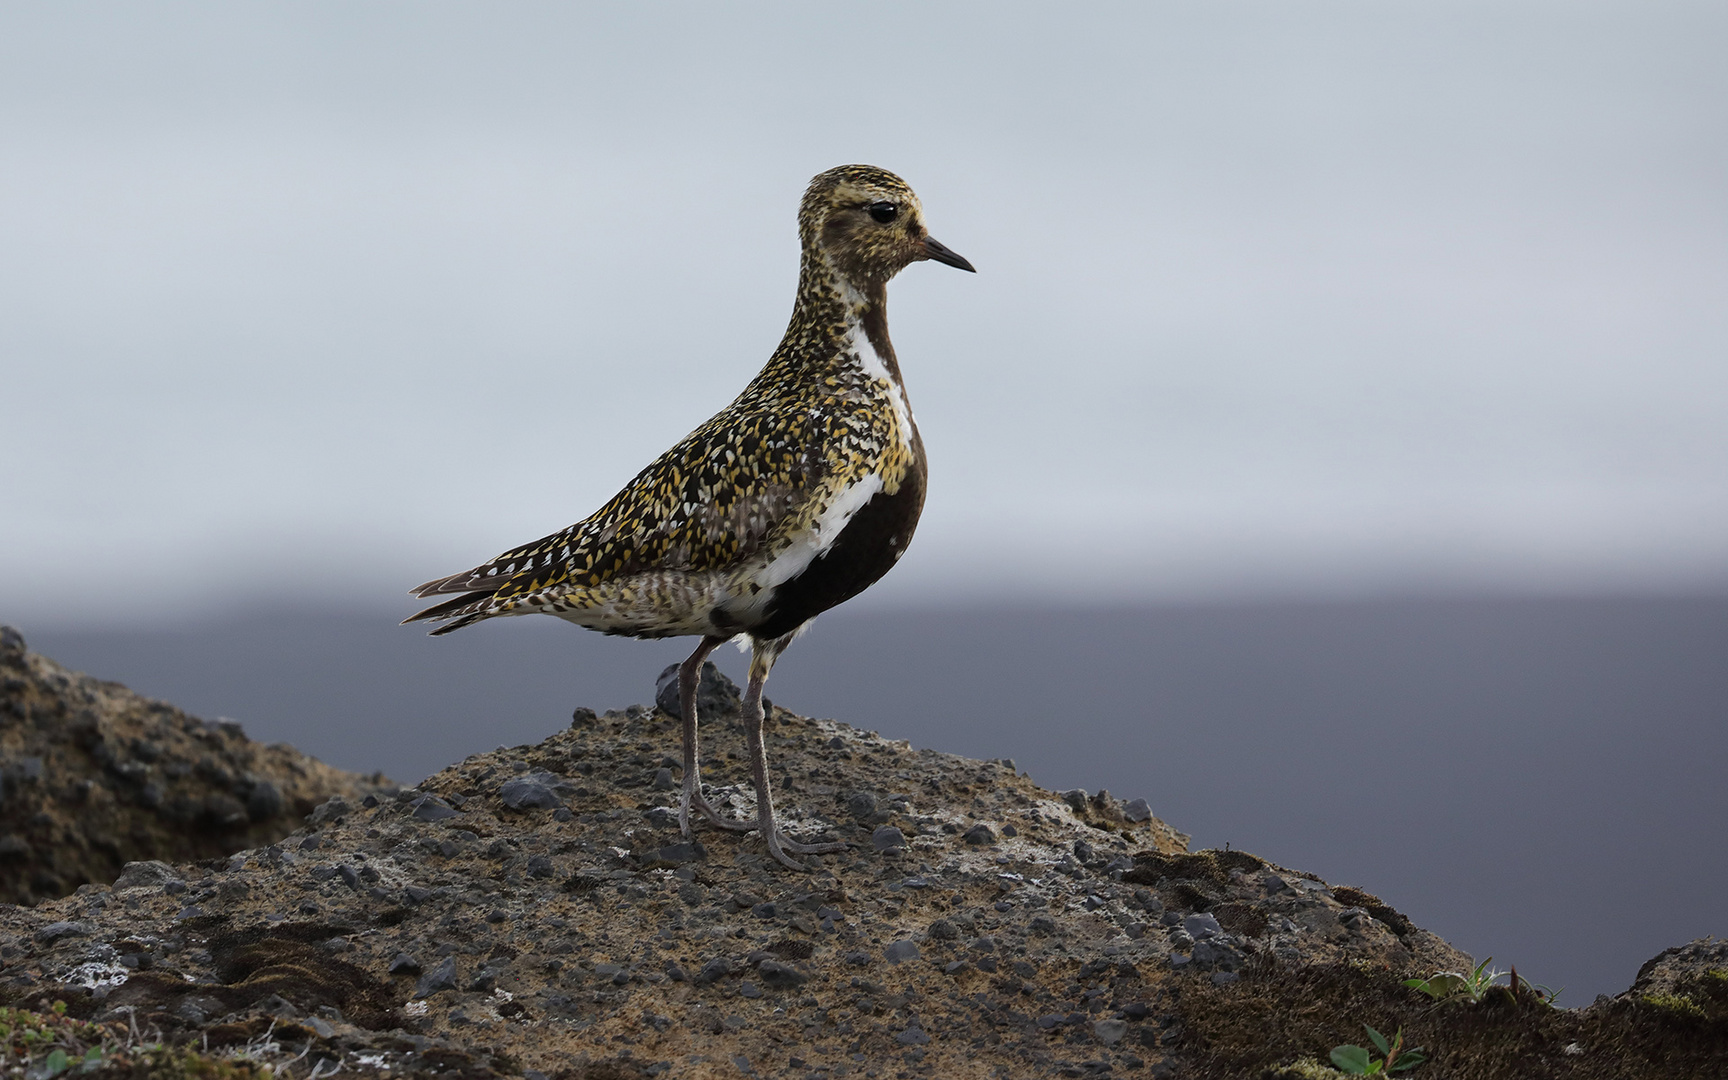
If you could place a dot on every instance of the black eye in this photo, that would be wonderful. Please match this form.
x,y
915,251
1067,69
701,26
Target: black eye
x,y
883,211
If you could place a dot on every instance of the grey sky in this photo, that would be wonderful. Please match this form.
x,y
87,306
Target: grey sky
x,y
316,299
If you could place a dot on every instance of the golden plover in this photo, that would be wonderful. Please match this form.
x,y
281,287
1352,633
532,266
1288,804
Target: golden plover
x,y
794,498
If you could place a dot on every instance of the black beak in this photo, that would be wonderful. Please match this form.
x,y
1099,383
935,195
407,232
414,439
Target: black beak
x,y
939,251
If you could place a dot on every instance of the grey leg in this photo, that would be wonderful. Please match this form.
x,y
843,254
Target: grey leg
x,y
762,657
689,674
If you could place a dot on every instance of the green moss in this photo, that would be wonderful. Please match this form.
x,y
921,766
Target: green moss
x,y
1674,1003
1305,1069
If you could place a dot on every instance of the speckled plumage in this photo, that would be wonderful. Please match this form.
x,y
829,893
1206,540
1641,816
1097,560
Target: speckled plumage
x,y
795,497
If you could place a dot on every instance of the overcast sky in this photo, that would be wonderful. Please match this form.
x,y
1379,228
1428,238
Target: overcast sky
x,y
322,300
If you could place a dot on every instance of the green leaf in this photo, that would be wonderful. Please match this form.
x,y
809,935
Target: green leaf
x,y
1409,1059
57,1062
1379,1039
1351,1059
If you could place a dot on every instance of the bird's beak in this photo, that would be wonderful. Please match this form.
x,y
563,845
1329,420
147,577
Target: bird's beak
x,y
934,249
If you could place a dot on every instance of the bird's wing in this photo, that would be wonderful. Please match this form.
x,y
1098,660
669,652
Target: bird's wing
x,y
713,499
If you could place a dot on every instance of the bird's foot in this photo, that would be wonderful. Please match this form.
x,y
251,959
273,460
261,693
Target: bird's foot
x,y
809,849
779,846
718,820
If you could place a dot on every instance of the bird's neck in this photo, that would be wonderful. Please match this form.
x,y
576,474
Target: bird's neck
x,y
834,321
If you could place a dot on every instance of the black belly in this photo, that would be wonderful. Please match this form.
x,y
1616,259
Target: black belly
x,y
868,547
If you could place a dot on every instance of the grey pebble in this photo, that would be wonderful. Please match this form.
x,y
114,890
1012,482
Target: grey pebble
x,y
531,791
904,949
404,964
887,837
442,977
912,1037
1110,1032
1137,810
1201,926
980,834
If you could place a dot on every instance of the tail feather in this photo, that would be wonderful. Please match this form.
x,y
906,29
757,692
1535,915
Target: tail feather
x,y
467,608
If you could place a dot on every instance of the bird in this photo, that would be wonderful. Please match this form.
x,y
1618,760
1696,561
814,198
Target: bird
x,y
796,497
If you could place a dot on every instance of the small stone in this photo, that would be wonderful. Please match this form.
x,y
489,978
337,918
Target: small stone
x,y
1076,800
663,780
861,805
440,978
713,971
716,694
954,967
264,802
749,989
887,838
137,875
857,958
321,1026
350,876
663,817
1201,926
56,930
779,975
312,843
1051,1020
539,866
563,813
1042,925
404,964
904,949
1137,810
912,1037
531,791
943,930
427,808
1221,978
1110,1032
980,834
1010,831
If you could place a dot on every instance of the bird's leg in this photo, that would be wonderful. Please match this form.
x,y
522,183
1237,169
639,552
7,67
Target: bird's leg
x,y
762,657
689,676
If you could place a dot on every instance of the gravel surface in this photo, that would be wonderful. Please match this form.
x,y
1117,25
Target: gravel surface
x,y
93,776
535,912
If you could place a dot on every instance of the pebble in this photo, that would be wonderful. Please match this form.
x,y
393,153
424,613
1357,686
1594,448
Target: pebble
x,y
1137,810
425,808
404,964
1110,1032
887,838
442,977
904,949
912,1037
531,791
1201,926
980,834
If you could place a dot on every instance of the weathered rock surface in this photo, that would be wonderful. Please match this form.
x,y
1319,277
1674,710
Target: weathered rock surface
x,y
534,911
93,776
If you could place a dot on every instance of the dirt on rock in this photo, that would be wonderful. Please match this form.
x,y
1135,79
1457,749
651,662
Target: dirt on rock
x,y
93,776
535,911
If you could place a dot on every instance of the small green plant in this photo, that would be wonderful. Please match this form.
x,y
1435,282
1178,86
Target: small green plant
x,y
1357,1061
1474,985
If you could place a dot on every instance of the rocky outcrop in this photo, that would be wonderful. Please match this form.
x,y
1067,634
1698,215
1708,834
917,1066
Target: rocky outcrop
x,y
93,776
534,911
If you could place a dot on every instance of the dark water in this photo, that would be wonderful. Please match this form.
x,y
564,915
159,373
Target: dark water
x,y
1543,781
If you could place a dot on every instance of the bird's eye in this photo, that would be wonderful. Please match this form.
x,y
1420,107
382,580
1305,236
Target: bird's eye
x,y
883,211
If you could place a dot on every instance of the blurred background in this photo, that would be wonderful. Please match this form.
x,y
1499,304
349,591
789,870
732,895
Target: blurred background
x,y
1332,449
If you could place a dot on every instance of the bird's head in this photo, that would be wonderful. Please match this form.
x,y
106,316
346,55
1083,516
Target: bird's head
x,y
868,224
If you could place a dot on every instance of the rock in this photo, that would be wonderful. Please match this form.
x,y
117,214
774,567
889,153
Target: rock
x,y
404,964
779,975
912,1037
980,834
1076,800
663,780
902,950
265,801
1110,1032
887,838
943,930
1201,926
532,791
147,874
55,931
1137,810
716,695
440,978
